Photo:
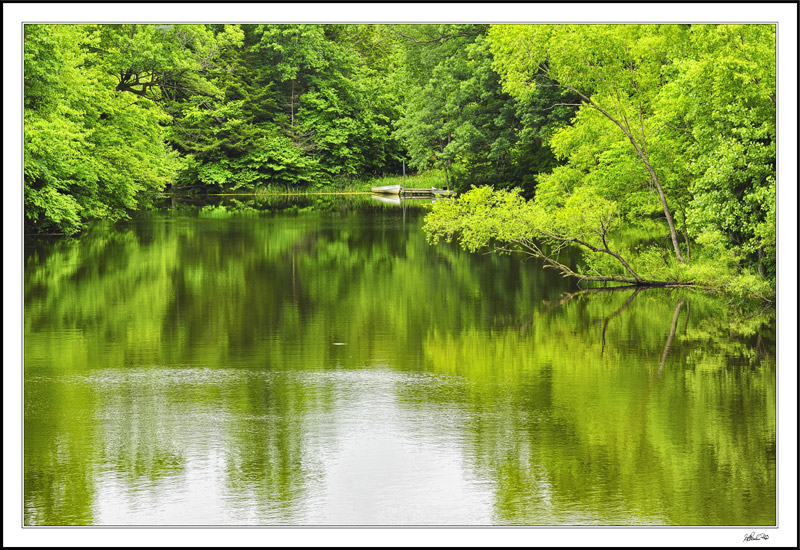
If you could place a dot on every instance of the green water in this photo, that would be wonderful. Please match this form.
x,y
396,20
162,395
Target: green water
x,y
322,364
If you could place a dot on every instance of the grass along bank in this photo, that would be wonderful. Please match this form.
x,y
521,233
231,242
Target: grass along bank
x,y
349,185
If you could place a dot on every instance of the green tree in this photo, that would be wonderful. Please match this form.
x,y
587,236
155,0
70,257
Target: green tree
x,y
90,152
719,110
617,71
483,217
458,118
436,65
168,64
303,105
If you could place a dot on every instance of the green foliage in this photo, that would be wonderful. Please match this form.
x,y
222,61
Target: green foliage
x,y
245,107
483,214
687,110
275,161
457,117
333,104
721,104
300,107
89,153
477,217
504,219
236,210
169,64
617,71
484,217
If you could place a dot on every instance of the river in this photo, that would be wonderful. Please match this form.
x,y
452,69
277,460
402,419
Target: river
x,y
316,362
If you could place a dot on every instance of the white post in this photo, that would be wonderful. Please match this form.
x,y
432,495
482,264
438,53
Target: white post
x,y
402,190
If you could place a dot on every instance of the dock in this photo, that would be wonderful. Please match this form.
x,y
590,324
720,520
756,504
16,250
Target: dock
x,y
411,193
427,193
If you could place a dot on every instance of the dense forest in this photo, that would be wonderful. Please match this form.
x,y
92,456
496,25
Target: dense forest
x,y
650,147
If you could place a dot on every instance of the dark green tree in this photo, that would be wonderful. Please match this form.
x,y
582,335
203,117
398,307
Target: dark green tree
x,y
459,119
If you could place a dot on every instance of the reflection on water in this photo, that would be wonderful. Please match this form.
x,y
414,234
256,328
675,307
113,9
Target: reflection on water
x,y
289,363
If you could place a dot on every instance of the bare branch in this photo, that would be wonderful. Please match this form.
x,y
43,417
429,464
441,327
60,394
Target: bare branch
x,y
651,134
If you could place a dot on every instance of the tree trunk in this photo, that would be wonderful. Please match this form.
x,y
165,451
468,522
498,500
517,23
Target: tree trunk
x,y
642,155
532,249
686,238
670,222
292,104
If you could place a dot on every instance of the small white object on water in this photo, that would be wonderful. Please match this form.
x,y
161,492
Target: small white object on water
x,y
339,344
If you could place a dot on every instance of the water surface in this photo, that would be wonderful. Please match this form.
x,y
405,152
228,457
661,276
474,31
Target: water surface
x,y
316,362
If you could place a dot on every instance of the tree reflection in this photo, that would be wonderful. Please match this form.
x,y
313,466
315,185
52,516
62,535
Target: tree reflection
x,y
189,341
586,416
